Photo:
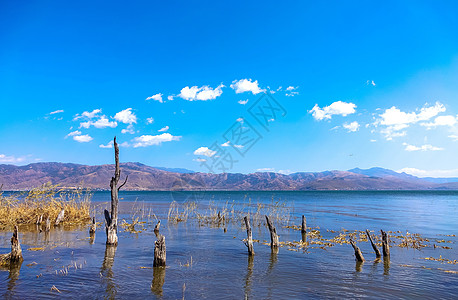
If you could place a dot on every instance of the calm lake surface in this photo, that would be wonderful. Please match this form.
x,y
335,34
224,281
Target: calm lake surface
x,y
204,261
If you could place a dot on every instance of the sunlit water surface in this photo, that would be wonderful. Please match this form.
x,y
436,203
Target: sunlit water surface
x,y
204,262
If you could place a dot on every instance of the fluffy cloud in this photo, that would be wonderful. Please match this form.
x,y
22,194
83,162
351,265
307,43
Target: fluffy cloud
x,y
243,102
103,122
126,116
336,108
351,127
88,115
370,82
149,120
203,93
82,138
291,91
56,112
430,173
10,159
151,140
205,152
265,170
157,97
226,144
425,147
441,121
396,120
129,129
110,145
164,129
73,133
246,85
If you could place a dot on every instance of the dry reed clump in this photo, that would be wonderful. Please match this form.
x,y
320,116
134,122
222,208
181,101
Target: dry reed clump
x,y
46,201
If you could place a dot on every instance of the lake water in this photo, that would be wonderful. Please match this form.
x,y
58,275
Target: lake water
x,y
207,261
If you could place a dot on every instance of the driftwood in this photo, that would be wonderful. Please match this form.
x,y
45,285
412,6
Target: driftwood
x,y
374,246
112,219
249,242
93,227
273,234
15,256
385,245
358,254
60,217
156,228
304,225
159,251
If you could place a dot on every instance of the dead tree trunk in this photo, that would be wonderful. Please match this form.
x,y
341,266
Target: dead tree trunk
x,y
48,225
16,252
93,227
60,217
159,251
273,234
112,219
39,220
374,246
358,254
304,225
156,228
249,242
385,245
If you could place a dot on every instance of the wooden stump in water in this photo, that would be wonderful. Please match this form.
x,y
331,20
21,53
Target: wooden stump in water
x,y
249,242
273,234
93,227
48,225
385,245
358,254
304,225
15,255
39,220
112,219
374,246
60,217
159,251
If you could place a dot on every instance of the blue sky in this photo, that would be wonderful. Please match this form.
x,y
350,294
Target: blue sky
x,y
359,84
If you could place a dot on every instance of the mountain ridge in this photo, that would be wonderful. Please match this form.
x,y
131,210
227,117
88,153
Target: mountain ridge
x,y
143,177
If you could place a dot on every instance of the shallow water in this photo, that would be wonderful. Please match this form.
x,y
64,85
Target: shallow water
x,y
221,269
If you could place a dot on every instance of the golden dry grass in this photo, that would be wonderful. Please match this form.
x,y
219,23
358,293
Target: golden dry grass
x,y
47,200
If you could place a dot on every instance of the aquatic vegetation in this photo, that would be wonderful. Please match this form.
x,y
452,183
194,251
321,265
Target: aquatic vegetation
x,y
43,202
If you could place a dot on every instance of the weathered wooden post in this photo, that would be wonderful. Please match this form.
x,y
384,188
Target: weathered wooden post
x,y
93,227
358,254
374,246
112,219
304,225
15,255
385,245
273,234
249,242
159,251
48,225
60,217
156,228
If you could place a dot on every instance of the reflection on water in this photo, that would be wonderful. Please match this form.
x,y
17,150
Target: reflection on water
x,y
13,274
220,267
359,266
158,280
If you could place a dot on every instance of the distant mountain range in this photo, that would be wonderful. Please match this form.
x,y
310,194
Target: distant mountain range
x,y
142,177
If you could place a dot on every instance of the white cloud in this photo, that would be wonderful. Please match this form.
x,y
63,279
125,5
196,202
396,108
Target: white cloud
x,y
243,102
126,116
285,172
109,145
205,152
240,120
129,129
149,120
151,140
265,170
291,91
246,85
430,173
163,129
239,146
370,82
88,115
157,97
454,137
203,93
10,159
226,144
352,127
336,108
170,97
73,133
103,122
199,159
82,138
373,141
441,121
425,147
56,112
